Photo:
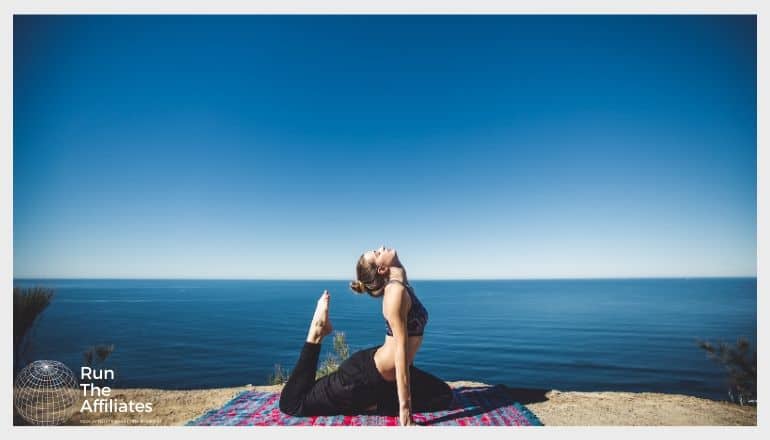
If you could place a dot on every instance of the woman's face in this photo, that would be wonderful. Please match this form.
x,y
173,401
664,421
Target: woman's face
x,y
382,257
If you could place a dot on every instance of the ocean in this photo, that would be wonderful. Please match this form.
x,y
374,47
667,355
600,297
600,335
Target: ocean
x,y
587,335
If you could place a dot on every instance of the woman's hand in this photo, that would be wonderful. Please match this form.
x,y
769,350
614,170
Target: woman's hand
x,y
405,417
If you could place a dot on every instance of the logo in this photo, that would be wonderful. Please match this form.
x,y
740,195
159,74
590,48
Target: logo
x,y
45,392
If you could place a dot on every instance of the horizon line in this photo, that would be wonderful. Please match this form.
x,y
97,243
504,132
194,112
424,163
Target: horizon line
x,y
658,277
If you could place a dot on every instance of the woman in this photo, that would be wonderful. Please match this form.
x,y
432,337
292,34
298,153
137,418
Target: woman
x,y
381,377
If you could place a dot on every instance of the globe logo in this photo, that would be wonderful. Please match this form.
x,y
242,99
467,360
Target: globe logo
x,y
45,392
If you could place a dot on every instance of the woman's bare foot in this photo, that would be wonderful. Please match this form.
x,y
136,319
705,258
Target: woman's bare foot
x,y
320,326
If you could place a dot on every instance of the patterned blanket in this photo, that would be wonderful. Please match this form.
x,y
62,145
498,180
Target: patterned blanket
x,y
486,406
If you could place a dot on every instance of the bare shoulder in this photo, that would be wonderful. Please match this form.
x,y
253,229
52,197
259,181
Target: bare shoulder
x,y
393,300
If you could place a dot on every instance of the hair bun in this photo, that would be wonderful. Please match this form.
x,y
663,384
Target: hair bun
x,y
357,286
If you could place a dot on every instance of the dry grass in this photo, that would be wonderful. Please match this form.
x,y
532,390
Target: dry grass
x,y
559,408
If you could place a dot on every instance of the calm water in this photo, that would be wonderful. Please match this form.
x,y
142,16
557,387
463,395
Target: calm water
x,y
634,335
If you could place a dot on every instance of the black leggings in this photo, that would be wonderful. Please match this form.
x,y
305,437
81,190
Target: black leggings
x,y
355,387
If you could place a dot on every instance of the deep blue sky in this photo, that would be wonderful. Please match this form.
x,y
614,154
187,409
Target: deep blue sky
x,y
478,146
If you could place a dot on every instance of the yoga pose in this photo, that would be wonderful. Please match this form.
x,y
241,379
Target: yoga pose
x,y
382,377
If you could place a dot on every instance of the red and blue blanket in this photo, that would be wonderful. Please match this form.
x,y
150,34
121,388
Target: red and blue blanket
x,y
473,406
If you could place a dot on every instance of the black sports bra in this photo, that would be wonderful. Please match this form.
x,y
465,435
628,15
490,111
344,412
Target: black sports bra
x,y
417,317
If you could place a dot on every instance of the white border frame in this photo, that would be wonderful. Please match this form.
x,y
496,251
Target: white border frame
x,y
382,7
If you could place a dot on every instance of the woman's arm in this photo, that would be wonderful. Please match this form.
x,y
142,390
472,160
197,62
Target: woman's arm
x,y
395,311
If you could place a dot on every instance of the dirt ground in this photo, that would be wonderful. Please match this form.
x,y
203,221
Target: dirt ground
x,y
553,408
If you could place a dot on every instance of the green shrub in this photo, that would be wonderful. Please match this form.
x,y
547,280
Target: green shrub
x,y
328,365
28,304
741,365
97,355
333,360
279,377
